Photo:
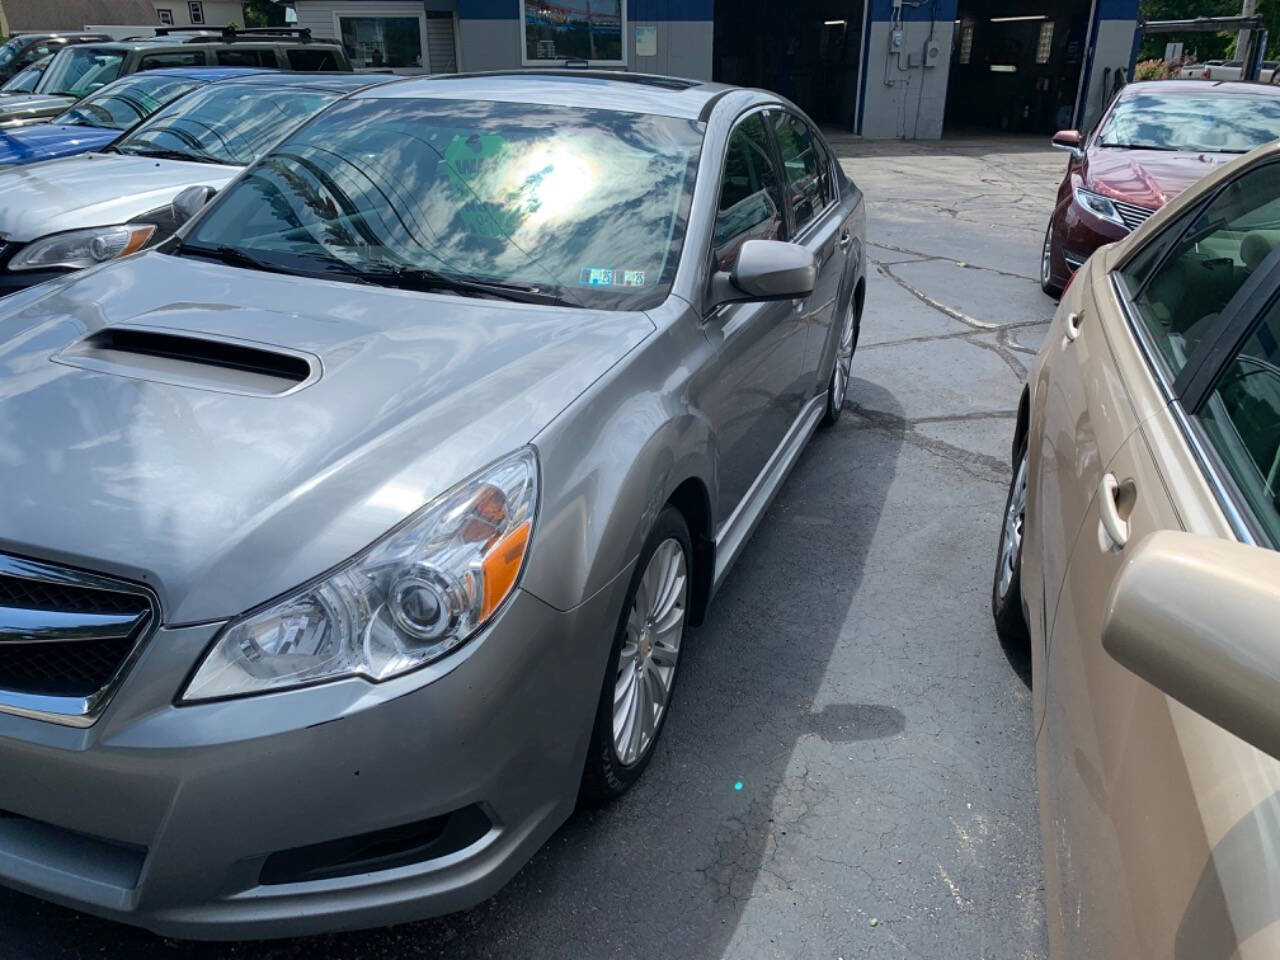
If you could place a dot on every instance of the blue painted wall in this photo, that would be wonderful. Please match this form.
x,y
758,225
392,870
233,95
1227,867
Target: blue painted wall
x,y
929,10
637,10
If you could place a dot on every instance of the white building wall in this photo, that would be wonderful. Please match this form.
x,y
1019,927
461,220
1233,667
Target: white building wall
x,y
903,98
217,13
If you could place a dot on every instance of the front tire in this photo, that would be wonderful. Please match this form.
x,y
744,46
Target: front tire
x,y
838,385
1006,586
1046,266
641,677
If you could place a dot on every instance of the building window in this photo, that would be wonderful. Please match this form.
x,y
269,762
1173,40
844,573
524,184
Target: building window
x,y
196,11
559,30
1044,49
966,41
166,16
383,41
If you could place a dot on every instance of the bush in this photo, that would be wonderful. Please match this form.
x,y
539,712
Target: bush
x,y
1155,70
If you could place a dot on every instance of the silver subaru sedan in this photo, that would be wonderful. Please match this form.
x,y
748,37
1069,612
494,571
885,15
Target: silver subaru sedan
x,y
350,537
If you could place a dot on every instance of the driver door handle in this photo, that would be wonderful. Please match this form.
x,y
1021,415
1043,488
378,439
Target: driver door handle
x,y
845,240
1114,526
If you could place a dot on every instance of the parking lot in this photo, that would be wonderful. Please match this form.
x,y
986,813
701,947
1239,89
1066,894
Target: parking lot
x,y
847,770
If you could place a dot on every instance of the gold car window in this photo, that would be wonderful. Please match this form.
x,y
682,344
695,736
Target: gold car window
x,y
1242,420
1179,293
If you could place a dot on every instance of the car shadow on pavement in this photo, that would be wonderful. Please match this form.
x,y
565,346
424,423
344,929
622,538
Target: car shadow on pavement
x,y
669,870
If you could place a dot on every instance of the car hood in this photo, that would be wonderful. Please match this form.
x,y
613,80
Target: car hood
x,y
93,190
47,141
1149,178
32,106
222,500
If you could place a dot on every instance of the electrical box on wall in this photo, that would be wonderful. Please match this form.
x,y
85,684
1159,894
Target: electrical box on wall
x,y
895,41
932,53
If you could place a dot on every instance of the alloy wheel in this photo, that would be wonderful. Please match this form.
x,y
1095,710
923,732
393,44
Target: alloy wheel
x,y
844,361
1045,256
1011,534
647,661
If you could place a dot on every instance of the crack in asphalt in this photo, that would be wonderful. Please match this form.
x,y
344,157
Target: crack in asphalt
x,y
922,256
980,466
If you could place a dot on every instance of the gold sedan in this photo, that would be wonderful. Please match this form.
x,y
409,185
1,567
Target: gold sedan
x,y
1138,559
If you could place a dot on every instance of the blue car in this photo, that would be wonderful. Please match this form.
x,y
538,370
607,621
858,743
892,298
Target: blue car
x,y
104,115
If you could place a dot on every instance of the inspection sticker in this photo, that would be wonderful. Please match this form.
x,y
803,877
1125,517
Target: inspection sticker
x,y
595,277
628,278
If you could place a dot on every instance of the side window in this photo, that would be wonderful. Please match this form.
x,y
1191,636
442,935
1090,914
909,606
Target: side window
x,y
750,206
1242,419
38,52
246,58
806,167
158,61
1207,263
312,59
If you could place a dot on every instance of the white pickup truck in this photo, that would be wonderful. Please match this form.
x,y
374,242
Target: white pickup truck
x,y
1227,70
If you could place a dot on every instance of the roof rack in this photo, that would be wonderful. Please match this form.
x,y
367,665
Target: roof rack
x,y
232,34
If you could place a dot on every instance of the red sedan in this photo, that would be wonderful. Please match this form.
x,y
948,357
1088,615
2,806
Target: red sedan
x,y
1154,141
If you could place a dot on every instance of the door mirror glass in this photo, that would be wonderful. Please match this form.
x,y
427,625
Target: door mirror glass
x,y
188,203
767,270
1196,617
1068,140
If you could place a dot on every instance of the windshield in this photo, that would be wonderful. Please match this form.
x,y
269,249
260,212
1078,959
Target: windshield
x,y
80,70
1225,123
589,205
24,81
125,102
229,123
8,50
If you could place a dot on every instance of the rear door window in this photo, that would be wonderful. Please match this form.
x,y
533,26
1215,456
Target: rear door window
x,y
246,58
1242,421
750,206
806,167
304,58
1183,281
160,61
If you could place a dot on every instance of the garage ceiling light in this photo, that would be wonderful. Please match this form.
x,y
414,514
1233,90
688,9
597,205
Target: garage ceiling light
x,y
1003,68
834,23
1037,16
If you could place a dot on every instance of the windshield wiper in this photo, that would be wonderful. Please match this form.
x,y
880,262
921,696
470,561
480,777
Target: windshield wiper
x,y
1139,146
172,155
235,257
424,280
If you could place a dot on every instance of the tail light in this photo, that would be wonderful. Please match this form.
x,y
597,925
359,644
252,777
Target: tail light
x,y
1207,74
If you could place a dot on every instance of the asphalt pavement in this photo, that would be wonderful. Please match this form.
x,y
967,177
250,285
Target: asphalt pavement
x,y
847,769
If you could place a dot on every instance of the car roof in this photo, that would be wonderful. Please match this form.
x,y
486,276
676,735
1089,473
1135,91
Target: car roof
x,y
593,89
1192,87
209,74
55,34
336,82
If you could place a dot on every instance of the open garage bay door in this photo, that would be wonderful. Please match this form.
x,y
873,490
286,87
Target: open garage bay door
x,y
1018,66
807,50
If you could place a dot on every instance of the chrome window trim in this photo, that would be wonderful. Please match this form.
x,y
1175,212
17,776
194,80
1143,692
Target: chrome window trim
x,y
66,710
1223,492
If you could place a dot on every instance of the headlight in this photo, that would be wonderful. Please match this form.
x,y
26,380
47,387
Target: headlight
x,y
1099,206
82,248
409,599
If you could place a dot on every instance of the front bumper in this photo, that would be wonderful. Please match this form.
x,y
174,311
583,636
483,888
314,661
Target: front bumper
x,y
1076,235
165,816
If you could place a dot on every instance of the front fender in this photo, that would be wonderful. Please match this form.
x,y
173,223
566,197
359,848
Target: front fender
x,y
614,457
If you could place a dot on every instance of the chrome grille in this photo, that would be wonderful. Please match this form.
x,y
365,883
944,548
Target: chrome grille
x,y
1133,215
66,639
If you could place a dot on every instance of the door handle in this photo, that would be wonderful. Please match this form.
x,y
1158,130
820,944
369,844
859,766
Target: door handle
x,y
845,240
1072,326
1114,526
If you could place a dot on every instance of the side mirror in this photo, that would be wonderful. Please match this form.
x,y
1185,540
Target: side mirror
x,y
767,270
188,203
1196,617
1070,141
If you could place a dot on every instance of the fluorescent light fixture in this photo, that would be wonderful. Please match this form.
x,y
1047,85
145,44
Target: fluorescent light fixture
x,y
835,23
1038,16
1003,68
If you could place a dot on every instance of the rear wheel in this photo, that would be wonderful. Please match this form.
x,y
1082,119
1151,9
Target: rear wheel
x,y
1046,266
642,666
838,388
1006,587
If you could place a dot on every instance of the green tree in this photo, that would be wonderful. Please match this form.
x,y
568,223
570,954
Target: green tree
x,y
1207,46
263,13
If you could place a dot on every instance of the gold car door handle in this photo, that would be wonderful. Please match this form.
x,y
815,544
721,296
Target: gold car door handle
x,y
1110,495
1072,326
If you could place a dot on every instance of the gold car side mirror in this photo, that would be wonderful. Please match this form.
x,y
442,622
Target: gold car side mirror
x,y
1199,618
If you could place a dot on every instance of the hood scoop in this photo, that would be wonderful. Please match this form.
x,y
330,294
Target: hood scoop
x,y
193,360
